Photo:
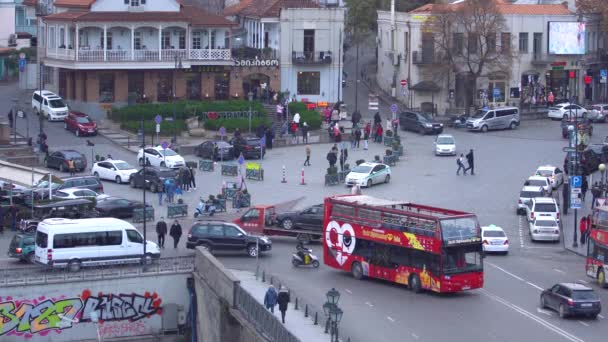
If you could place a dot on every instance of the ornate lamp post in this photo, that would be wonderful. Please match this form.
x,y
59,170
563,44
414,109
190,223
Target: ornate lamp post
x,y
178,65
250,98
333,313
602,168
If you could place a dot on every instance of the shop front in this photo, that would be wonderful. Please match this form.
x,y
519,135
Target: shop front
x,y
258,76
563,81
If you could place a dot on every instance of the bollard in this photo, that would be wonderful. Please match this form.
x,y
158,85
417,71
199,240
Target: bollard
x,y
306,311
316,318
296,304
272,280
128,141
302,182
284,176
263,276
327,326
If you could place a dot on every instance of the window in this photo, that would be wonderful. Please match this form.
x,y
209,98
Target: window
x,y
252,215
406,44
343,210
212,40
193,87
309,41
182,40
106,88
134,3
216,231
472,46
231,231
109,40
505,42
537,43
458,43
491,42
460,229
166,39
309,83
112,238
136,83
134,236
201,230
137,40
227,40
41,239
523,42
367,214
196,40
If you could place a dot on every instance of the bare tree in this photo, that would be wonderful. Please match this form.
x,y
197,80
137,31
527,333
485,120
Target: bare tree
x,y
592,7
465,41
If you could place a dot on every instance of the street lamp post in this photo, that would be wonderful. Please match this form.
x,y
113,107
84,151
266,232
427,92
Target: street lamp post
x,y
144,191
15,116
333,313
602,168
178,65
250,98
575,237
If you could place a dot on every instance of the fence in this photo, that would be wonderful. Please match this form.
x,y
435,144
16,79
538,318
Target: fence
x,y
262,319
38,275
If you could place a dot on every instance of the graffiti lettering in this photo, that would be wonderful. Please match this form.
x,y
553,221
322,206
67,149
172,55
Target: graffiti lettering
x,y
120,329
42,315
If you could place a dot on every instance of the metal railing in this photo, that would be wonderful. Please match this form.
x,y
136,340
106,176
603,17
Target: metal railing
x,y
311,57
113,55
38,275
263,320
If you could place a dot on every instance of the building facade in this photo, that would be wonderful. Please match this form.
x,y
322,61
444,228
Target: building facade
x,y
406,53
596,60
7,24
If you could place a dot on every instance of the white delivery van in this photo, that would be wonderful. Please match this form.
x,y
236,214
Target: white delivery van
x,y
62,243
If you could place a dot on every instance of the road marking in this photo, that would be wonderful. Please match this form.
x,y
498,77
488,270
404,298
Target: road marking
x,y
521,233
348,291
583,281
505,271
533,317
415,336
534,285
558,270
543,311
369,304
583,323
390,318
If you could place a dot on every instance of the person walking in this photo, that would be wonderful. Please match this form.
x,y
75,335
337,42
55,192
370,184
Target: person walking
x,y
279,112
270,298
343,158
335,116
367,131
283,300
294,132
192,180
460,163
305,133
160,192
379,133
327,115
296,119
71,167
161,231
583,226
178,194
269,138
550,99
584,188
471,162
186,178
565,197
357,137
307,161
332,158
176,233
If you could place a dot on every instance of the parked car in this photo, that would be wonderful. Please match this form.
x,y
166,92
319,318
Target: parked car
x,y
494,239
588,161
445,144
49,105
215,150
116,170
22,247
117,207
310,218
368,174
597,112
555,174
600,150
545,228
526,194
584,126
40,191
80,124
248,146
153,178
542,206
570,299
226,236
59,160
566,110
75,193
496,118
82,182
541,181
419,122
160,157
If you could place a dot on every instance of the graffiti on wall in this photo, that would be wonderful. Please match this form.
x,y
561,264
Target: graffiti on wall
x,y
42,315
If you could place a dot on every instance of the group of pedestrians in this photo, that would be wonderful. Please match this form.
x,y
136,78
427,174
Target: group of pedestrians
x,y
272,298
172,190
470,161
175,232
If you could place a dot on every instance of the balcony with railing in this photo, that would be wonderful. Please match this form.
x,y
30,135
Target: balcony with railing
x,y
246,52
139,55
311,57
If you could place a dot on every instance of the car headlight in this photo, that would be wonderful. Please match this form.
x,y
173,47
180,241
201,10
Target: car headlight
x,y
428,125
535,231
440,125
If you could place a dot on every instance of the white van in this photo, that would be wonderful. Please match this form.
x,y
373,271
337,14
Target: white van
x,y
50,105
62,243
496,118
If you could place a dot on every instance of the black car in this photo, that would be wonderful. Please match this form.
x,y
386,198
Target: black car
x,y
117,207
310,218
249,147
215,150
82,182
584,125
419,122
589,160
154,178
59,160
570,299
225,236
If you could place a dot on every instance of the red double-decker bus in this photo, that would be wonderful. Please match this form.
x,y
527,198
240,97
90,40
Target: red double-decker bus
x,y
420,246
597,246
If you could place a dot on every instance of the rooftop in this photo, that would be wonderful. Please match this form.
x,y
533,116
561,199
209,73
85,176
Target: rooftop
x,y
266,8
503,7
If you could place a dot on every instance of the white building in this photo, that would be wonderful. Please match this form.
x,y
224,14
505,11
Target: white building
x,y
7,24
535,71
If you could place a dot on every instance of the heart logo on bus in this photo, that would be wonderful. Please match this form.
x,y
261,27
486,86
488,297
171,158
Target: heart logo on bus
x,y
340,240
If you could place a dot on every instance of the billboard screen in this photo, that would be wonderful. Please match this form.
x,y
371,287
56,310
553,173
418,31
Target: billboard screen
x,y
566,38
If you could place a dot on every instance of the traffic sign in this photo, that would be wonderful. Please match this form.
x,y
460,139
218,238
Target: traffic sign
x,y
575,192
164,144
158,119
496,92
394,108
157,128
241,159
575,203
222,131
404,82
22,63
576,182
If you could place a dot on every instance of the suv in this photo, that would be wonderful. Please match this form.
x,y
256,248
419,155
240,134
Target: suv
x,y
588,160
419,122
80,123
217,235
497,118
598,112
81,182
249,146
49,105
526,194
22,247
542,206
59,160
310,218
154,177
571,299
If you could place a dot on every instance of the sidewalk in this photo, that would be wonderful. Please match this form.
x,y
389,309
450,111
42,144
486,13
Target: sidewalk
x,y
567,223
300,326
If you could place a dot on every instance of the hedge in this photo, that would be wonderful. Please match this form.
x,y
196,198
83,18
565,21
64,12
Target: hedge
x,y
166,127
311,117
232,124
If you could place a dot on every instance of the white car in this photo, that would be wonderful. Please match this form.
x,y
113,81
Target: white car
x,y
49,105
494,239
544,182
566,110
160,157
545,228
555,174
116,170
526,194
445,144
368,174
75,193
542,206
598,112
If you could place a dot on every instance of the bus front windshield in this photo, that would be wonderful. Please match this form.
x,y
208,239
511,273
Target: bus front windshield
x,y
461,230
601,219
461,259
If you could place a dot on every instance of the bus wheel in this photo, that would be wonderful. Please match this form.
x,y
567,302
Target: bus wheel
x,y
74,266
601,278
357,270
415,285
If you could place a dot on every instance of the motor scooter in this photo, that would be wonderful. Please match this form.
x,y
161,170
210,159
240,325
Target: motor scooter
x,y
458,121
204,209
308,260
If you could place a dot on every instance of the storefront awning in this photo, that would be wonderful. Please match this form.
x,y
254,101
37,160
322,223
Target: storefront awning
x,y
531,72
426,86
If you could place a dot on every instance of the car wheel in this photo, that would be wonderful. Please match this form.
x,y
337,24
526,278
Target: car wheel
x,y
118,180
593,316
287,224
96,174
421,130
484,128
147,259
601,278
357,270
31,258
543,302
369,183
252,251
77,132
162,164
387,179
61,167
415,284
512,125
562,311
132,183
74,266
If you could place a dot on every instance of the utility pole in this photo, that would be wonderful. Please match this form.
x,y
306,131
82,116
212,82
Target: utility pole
x,y
356,72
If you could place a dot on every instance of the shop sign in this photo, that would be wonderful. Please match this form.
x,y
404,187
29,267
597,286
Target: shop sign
x,y
557,64
208,68
256,62
229,115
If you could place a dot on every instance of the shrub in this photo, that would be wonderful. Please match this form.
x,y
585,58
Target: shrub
x,y
166,127
232,124
311,117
